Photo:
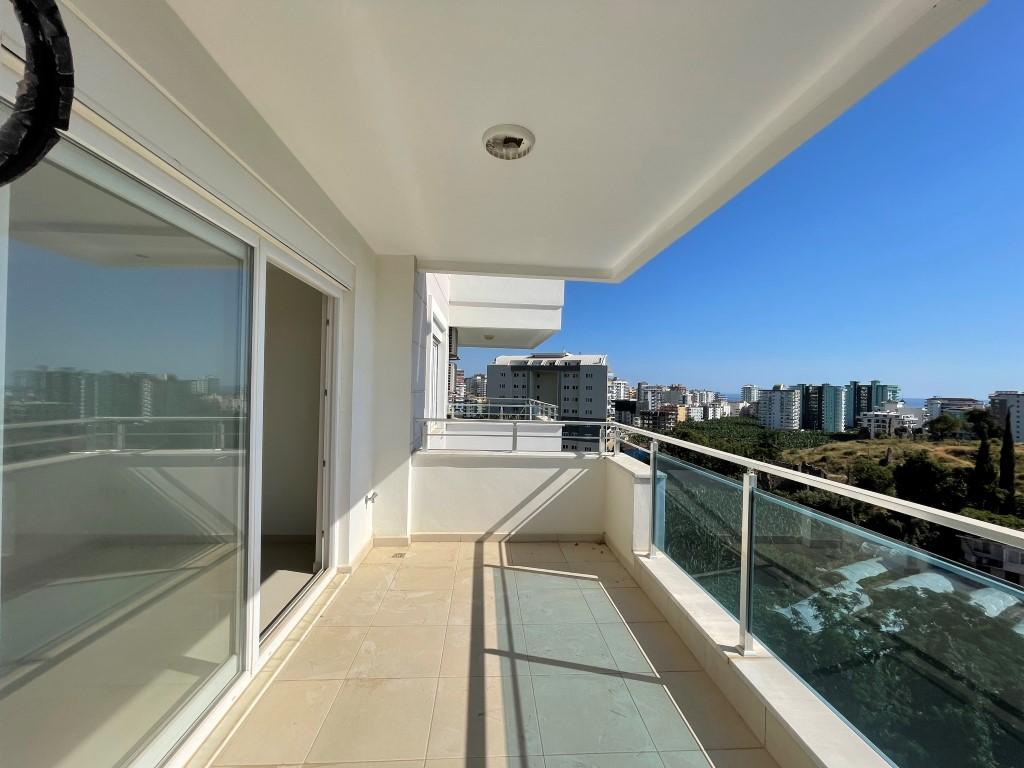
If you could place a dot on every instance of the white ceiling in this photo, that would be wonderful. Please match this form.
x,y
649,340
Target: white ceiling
x,y
648,115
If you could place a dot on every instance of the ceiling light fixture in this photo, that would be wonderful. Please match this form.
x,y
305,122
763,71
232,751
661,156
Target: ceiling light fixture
x,y
508,142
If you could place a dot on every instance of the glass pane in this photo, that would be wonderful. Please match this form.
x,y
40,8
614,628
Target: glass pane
x,y
697,524
924,657
124,466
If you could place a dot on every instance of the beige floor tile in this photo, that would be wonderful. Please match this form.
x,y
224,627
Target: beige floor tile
x,y
433,552
631,603
494,608
478,553
607,575
474,717
547,576
377,720
385,555
488,651
399,652
486,578
419,577
739,758
282,725
577,552
325,653
352,608
664,647
420,607
525,553
371,576
494,761
364,764
708,712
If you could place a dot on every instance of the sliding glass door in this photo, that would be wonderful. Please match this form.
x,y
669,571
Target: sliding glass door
x,y
125,453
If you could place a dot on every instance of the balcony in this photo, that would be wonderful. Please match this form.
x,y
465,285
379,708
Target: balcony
x,y
556,609
530,654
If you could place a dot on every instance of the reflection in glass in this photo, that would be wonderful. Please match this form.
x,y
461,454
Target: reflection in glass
x,y
924,657
124,467
697,524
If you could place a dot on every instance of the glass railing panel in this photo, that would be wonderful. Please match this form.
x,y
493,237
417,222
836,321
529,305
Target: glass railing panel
x,y
920,655
697,524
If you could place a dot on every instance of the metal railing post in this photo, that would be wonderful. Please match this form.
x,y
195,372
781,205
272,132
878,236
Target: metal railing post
x,y
515,436
654,497
601,443
617,442
122,428
746,645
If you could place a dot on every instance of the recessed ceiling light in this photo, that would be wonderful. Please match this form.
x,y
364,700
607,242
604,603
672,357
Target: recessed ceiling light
x,y
508,142
488,337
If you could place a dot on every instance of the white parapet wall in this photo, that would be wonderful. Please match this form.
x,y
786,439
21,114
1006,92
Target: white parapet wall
x,y
527,495
486,435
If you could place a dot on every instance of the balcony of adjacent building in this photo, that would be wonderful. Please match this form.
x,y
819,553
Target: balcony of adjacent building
x,y
557,609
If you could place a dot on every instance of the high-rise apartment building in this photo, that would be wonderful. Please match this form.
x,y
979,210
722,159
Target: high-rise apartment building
x,y
823,407
618,389
476,385
779,407
749,393
863,397
957,406
1012,402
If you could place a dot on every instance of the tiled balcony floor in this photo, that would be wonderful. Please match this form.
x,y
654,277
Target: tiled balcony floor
x,y
529,655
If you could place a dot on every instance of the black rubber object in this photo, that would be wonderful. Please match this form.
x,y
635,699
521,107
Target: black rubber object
x,y
45,93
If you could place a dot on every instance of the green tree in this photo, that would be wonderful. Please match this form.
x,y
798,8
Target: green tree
x,y
920,478
1008,470
944,426
982,423
983,477
870,476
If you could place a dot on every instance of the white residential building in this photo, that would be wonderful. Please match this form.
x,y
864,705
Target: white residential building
x,y
779,407
887,422
618,389
749,393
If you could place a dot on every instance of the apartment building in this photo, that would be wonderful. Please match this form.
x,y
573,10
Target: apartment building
x,y
749,393
886,423
1009,402
956,406
823,407
618,389
863,397
476,385
303,202
779,407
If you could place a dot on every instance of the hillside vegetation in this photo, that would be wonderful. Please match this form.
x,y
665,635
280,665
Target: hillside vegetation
x,y
836,459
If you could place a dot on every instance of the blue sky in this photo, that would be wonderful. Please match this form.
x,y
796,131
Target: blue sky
x,y
889,246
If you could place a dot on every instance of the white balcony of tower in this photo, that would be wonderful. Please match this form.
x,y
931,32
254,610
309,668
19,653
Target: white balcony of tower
x,y
505,312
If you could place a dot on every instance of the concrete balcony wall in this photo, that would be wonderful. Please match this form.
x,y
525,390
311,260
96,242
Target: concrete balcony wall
x,y
523,495
505,312
485,435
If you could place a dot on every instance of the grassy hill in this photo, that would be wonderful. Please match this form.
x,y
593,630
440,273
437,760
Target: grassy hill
x,y
836,458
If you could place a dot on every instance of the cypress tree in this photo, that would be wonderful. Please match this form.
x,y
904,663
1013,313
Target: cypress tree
x,y
1007,469
983,478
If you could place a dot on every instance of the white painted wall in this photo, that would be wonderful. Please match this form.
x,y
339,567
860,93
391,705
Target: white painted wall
x,y
392,405
430,319
627,506
502,493
484,435
505,312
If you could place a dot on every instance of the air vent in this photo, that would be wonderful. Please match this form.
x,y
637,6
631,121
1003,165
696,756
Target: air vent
x,y
508,142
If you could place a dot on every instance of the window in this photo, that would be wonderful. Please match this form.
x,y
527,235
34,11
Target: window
x,y
125,462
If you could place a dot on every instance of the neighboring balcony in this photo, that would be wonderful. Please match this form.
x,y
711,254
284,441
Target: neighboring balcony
x,y
496,424
505,312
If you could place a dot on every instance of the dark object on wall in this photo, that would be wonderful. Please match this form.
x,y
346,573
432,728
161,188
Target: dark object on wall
x,y
45,93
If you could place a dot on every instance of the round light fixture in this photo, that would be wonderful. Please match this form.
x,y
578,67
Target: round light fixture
x,y
508,142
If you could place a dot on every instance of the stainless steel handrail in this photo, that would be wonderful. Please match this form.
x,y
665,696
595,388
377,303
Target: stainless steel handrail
x,y
952,520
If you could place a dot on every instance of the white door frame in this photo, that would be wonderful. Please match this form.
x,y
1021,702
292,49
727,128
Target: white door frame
x,y
328,491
